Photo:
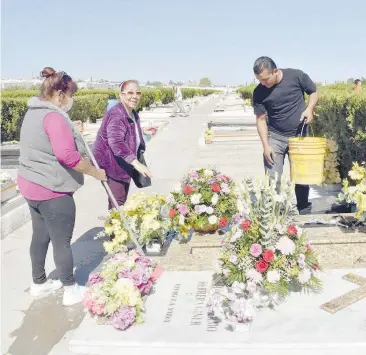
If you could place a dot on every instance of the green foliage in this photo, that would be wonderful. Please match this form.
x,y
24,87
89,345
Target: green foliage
x,y
16,93
12,114
205,82
341,116
188,93
166,96
88,105
246,92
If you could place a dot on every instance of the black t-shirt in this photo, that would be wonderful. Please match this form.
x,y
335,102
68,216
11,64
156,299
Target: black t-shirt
x,y
284,102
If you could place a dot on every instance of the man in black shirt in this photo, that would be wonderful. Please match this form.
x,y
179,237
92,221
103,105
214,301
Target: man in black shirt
x,y
280,98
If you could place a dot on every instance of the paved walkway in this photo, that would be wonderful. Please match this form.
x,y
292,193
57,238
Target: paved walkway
x,y
41,327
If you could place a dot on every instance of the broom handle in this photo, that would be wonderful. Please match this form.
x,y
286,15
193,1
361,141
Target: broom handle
x,y
113,199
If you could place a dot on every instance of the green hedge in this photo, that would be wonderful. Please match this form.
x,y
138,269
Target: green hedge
x,y
246,92
188,93
88,105
13,110
340,115
12,113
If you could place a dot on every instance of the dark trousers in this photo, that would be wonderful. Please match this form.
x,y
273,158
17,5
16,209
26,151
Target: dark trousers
x,y
52,221
120,191
279,144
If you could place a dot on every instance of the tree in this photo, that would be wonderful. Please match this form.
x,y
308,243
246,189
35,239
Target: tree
x,y
157,84
205,82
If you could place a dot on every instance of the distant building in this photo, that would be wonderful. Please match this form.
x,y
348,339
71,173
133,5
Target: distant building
x,y
20,83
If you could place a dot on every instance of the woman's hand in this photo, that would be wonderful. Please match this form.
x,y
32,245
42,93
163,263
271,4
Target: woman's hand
x,y
79,126
142,169
100,175
150,131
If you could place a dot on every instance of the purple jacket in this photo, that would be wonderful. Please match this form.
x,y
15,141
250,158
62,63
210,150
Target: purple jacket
x,y
117,138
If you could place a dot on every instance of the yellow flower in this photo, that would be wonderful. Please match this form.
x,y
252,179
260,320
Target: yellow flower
x,y
108,228
108,247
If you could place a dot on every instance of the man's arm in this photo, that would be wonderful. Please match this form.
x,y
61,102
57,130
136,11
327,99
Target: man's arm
x,y
313,100
310,88
262,129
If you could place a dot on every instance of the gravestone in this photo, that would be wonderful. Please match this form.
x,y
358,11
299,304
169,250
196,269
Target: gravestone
x,y
177,323
9,156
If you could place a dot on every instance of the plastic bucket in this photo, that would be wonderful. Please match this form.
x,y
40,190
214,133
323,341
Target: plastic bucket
x,y
307,160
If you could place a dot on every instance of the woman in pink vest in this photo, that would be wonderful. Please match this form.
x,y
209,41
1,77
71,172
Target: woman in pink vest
x,y
52,167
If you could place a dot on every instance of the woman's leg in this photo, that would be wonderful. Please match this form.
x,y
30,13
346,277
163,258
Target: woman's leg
x,y
39,244
59,217
120,191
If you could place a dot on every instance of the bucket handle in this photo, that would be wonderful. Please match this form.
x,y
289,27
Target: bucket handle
x,y
303,126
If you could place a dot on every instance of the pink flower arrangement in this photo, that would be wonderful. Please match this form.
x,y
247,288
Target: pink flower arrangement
x,y
115,293
205,202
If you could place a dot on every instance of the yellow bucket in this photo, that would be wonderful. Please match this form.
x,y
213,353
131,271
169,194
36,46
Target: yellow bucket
x,y
307,160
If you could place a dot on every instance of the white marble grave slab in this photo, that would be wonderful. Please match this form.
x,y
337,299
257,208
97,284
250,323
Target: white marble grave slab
x,y
152,115
230,114
177,323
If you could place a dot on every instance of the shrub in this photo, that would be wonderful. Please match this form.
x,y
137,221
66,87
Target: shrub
x,y
246,92
167,96
341,116
88,105
15,93
12,114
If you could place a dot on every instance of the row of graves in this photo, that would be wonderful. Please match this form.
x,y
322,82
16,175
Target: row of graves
x,y
237,269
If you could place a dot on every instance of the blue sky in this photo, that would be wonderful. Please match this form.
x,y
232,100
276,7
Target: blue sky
x,y
182,39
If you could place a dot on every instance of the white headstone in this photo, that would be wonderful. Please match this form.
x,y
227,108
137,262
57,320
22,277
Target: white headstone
x,y
177,323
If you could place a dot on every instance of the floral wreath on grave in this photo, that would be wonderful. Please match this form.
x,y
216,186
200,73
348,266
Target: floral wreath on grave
x,y
355,191
205,200
116,294
147,217
264,254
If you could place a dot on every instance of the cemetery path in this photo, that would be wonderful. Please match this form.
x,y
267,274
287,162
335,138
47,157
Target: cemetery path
x,y
43,326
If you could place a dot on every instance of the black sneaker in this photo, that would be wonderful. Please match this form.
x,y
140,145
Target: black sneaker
x,y
305,209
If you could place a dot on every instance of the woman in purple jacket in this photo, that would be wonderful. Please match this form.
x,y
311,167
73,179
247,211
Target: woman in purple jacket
x,y
119,141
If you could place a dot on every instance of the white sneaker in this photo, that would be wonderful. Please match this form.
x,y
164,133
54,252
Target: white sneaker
x,y
44,289
73,294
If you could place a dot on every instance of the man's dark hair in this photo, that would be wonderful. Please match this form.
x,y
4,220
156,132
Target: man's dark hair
x,y
264,63
357,81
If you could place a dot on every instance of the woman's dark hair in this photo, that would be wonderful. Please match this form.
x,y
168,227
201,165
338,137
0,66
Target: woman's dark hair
x,y
56,81
264,63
